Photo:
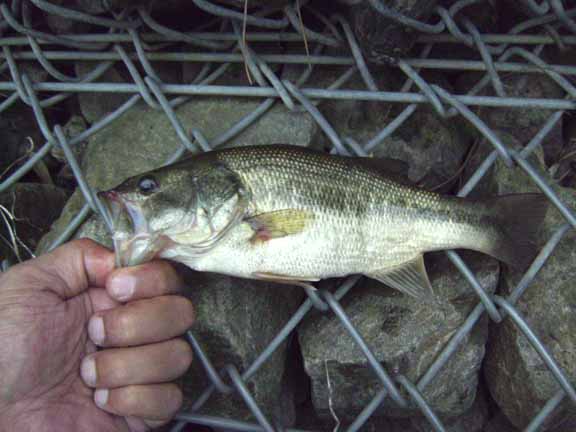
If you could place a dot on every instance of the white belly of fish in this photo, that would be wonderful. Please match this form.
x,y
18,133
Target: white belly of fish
x,y
330,247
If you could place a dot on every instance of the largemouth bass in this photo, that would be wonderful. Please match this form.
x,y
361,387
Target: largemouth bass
x,y
295,216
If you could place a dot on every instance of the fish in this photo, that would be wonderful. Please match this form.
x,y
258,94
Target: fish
x,y
294,216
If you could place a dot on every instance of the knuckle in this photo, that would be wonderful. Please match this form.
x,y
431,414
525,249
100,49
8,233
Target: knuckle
x,y
183,353
111,369
123,325
164,276
176,399
129,399
188,314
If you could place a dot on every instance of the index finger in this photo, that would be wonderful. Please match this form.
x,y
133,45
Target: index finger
x,y
152,279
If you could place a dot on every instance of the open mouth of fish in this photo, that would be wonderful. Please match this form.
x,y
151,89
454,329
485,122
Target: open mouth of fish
x,y
134,241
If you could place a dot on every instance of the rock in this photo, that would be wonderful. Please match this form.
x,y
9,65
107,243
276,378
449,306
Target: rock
x,y
381,38
515,127
518,379
433,148
522,123
236,319
20,216
499,423
472,420
74,127
405,336
94,106
564,171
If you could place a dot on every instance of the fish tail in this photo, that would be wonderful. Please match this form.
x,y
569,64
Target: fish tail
x,y
520,218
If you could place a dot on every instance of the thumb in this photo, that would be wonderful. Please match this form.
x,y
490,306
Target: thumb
x,y
71,268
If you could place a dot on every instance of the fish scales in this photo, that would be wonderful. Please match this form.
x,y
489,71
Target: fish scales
x,y
362,220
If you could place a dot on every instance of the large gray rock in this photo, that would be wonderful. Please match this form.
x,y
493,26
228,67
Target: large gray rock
x,y
433,148
472,420
405,336
236,319
74,127
21,223
94,106
521,123
515,127
525,123
518,379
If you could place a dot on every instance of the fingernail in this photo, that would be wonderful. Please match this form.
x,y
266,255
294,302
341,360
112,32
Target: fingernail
x,y
96,330
88,371
122,287
101,397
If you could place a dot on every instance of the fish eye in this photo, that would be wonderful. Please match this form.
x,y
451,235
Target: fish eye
x,y
148,185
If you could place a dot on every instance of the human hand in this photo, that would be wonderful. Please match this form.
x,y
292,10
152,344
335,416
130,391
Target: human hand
x,y
55,309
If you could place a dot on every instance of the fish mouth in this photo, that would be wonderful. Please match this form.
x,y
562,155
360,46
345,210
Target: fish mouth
x,y
134,242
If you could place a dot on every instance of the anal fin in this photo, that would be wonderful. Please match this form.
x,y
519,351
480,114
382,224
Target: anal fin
x,y
410,278
286,280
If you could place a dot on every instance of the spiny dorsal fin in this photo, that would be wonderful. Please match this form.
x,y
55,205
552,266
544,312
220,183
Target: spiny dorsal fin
x,y
278,224
410,278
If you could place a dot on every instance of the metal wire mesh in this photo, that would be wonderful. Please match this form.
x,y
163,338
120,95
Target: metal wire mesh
x,y
128,38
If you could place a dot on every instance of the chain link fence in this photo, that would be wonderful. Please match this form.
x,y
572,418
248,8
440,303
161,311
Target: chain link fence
x,y
133,37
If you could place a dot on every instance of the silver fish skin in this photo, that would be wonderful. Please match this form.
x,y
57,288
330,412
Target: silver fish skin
x,y
292,215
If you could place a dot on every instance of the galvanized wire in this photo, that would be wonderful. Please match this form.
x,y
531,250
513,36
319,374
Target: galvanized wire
x,y
136,40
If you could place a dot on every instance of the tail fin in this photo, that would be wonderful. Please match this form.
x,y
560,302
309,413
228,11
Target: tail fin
x,y
520,217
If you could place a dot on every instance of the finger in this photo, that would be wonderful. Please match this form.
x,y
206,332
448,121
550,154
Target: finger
x,y
148,280
101,300
148,364
75,266
142,322
152,402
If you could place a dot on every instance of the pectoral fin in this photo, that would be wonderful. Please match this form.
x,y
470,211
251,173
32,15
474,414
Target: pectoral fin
x,y
286,280
410,278
278,224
